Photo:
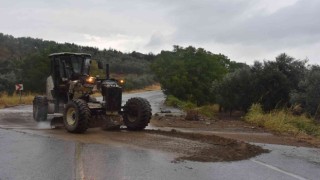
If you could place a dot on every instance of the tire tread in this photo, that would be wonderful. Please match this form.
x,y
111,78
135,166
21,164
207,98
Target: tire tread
x,y
144,114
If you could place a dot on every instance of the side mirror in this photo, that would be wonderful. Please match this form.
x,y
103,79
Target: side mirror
x,y
100,65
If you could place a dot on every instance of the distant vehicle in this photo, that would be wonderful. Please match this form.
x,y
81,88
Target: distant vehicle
x,y
68,98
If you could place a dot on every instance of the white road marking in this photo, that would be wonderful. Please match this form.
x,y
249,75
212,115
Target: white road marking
x,y
79,162
278,169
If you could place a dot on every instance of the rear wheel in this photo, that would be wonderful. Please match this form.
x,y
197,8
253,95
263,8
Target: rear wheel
x,y
137,113
40,108
76,116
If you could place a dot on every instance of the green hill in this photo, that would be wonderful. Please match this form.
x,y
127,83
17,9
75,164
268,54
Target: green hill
x,y
25,60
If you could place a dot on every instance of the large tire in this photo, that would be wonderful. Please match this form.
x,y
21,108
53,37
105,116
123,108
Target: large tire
x,y
137,113
40,108
76,116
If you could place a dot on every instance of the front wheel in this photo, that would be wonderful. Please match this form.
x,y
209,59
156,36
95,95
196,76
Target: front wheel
x,y
137,113
76,116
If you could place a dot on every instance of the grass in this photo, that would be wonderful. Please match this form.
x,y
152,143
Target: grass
x,y
177,103
208,110
283,122
8,101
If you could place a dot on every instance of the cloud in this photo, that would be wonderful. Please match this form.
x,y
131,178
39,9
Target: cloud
x,y
248,30
244,30
159,41
120,42
229,22
288,27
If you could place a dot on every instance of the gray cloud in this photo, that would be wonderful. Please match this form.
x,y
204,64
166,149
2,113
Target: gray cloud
x,y
156,40
291,26
225,22
244,30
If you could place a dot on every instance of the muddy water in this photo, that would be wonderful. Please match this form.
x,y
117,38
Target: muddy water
x,y
186,146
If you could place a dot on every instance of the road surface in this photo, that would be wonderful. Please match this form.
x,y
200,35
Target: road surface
x,y
34,151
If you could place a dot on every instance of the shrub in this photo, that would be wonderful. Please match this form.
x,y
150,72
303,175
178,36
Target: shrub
x,y
255,115
209,110
282,121
175,102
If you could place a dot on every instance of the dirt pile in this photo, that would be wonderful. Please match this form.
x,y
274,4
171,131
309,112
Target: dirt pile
x,y
216,148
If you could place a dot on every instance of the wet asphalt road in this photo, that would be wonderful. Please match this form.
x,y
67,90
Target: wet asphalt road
x,y
29,153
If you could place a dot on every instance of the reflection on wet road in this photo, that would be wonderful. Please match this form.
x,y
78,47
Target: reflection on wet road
x,y
32,157
32,151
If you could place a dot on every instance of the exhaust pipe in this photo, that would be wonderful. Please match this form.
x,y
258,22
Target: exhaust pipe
x,y
107,71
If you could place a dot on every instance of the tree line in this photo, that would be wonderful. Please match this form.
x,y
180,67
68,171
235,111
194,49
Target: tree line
x,y
25,60
201,77
188,73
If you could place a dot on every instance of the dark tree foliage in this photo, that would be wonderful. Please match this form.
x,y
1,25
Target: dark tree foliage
x,y
35,70
235,91
271,88
276,79
138,82
7,82
307,95
269,83
188,73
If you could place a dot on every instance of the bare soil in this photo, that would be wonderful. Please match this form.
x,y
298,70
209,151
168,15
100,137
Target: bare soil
x,y
216,148
232,127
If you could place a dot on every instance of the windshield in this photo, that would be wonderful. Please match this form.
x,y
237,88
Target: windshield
x,y
76,63
73,66
80,64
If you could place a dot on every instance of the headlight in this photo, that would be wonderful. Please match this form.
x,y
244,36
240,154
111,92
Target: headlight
x,y
90,80
122,81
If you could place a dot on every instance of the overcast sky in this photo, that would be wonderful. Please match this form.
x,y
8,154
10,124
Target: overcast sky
x,y
243,30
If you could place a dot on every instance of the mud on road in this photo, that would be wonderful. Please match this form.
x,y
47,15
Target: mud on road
x,y
214,148
233,128
184,146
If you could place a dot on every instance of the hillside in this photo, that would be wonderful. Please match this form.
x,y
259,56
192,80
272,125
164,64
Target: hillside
x,y
24,60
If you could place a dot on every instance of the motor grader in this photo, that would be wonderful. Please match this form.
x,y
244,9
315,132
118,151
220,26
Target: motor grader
x,y
69,99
